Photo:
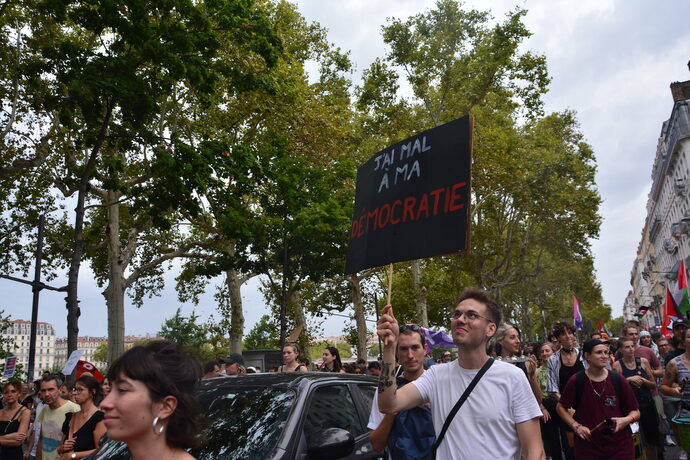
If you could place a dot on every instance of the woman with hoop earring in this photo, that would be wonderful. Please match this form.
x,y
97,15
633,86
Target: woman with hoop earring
x,y
152,403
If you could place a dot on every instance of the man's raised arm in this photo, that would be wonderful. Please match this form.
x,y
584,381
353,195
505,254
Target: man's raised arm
x,y
391,399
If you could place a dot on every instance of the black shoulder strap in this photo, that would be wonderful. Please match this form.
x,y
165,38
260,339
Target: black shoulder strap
x,y
12,419
458,404
617,384
638,361
579,387
21,408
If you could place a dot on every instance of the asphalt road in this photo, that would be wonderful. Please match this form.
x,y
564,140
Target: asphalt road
x,y
672,453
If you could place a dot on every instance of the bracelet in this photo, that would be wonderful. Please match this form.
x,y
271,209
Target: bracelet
x,y
576,426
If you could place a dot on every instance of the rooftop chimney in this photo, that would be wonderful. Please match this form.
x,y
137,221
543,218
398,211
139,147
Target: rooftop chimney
x,y
681,90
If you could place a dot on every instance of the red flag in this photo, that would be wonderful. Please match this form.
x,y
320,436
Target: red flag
x,y
682,277
600,327
85,366
680,295
670,313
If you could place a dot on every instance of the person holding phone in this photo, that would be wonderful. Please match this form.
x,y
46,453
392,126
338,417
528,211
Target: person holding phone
x,y
605,406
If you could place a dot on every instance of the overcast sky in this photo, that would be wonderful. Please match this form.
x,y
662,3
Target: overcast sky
x,y
610,61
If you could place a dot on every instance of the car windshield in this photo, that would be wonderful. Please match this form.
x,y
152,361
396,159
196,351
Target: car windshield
x,y
242,422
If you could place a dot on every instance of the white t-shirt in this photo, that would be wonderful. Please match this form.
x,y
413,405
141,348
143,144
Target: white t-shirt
x,y
484,427
375,416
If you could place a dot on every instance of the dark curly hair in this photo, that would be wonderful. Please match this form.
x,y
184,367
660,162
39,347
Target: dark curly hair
x,y
561,328
166,371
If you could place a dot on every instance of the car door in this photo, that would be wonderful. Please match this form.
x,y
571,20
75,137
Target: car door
x,y
332,405
364,394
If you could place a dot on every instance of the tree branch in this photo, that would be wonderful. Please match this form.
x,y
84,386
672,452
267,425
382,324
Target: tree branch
x,y
15,89
42,152
180,252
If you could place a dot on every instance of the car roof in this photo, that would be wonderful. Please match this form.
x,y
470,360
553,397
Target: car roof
x,y
284,380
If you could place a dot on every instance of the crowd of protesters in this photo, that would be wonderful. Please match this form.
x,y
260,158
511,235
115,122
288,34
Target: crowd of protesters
x,y
147,400
596,399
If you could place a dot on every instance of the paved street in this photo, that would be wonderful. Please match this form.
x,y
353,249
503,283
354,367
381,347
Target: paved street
x,y
672,453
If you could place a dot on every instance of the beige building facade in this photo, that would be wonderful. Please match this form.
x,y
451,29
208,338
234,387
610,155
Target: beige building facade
x,y
19,331
665,239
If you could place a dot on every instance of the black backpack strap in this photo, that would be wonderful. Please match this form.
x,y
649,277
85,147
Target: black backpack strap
x,y
638,361
579,387
458,404
617,381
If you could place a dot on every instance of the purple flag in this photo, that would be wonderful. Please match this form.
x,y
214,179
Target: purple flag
x,y
577,317
438,339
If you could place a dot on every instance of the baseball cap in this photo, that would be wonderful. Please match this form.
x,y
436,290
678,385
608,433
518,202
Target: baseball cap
x,y
234,358
589,345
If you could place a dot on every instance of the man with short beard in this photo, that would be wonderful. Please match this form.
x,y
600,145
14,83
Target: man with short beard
x,y
397,430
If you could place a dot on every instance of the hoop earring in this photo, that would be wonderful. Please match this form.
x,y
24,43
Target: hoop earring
x,y
156,429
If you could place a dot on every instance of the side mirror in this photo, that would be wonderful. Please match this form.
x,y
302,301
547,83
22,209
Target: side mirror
x,y
331,443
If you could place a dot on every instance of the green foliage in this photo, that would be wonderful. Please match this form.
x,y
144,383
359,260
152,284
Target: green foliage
x,y
263,336
210,142
185,331
101,353
6,343
535,206
616,325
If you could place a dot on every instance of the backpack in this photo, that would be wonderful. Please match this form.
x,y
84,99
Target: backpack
x,y
412,434
580,385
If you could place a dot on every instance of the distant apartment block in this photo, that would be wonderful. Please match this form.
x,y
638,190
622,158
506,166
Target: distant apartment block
x,y
20,332
90,345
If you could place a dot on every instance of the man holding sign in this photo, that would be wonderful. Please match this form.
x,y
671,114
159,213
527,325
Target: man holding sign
x,y
497,418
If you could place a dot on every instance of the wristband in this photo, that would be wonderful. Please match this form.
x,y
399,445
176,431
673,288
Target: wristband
x,y
576,426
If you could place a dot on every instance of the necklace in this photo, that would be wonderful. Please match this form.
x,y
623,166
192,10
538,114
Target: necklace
x,y
595,390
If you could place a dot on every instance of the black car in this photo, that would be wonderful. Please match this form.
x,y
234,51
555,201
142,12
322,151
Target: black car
x,y
310,415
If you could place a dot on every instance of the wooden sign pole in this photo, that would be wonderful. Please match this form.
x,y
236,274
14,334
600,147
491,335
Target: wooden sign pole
x,y
390,289
390,283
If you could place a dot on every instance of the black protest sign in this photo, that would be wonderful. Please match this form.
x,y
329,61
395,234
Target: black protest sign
x,y
413,199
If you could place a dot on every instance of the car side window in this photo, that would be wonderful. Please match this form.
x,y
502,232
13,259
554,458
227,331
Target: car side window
x,y
368,393
332,407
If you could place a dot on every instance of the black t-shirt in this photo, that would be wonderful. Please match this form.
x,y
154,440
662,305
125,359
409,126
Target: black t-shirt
x,y
672,354
84,434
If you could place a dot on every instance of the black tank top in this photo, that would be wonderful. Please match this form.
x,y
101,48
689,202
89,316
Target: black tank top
x,y
568,371
642,394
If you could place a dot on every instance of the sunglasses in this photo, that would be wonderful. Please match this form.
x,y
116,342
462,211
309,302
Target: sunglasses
x,y
410,327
